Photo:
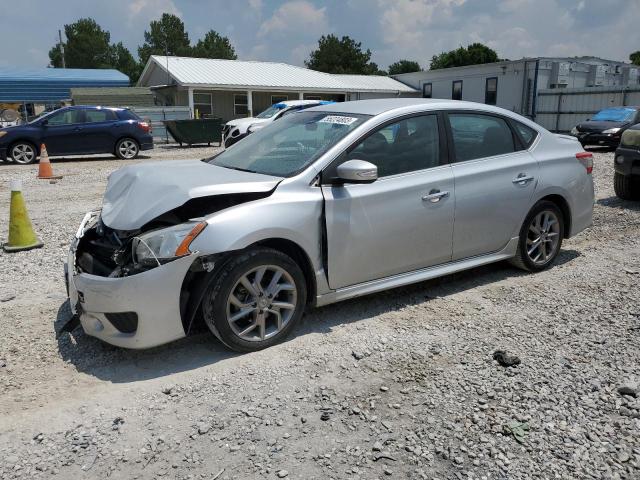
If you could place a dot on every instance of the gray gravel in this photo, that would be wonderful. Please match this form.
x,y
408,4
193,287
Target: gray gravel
x,y
401,384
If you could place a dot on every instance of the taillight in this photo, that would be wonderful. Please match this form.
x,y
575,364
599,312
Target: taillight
x,y
586,159
145,126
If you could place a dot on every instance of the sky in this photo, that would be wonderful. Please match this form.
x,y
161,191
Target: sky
x,y
286,31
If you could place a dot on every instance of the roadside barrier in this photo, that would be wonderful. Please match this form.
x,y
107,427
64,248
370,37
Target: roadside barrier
x,y
45,172
21,234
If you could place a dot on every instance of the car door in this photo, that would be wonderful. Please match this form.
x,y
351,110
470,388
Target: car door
x,y
495,179
401,222
60,132
99,130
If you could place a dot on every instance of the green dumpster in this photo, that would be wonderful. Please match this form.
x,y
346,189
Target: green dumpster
x,y
206,130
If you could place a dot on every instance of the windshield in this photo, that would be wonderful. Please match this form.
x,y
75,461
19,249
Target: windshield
x,y
614,115
270,112
287,146
43,115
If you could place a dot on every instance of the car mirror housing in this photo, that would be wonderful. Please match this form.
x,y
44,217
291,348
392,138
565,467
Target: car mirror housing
x,y
357,171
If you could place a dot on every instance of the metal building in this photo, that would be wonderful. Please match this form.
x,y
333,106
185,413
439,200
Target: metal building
x,y
517,85
232,89
52,85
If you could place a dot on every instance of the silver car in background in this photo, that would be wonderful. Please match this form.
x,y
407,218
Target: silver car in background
x,y
327,204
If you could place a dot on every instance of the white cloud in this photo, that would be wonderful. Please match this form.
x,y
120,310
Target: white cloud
x,y
299,16
255,4
148,7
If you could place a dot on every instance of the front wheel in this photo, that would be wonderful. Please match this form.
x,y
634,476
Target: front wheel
x,y
127,149
23,153
540,237
625,187
256,299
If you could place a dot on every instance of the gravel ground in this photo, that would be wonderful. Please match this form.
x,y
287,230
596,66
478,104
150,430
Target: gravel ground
x,y
399,384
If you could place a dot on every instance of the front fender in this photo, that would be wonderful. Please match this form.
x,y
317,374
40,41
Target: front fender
x,y
293,215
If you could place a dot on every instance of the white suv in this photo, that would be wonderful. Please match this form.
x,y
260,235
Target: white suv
x,y
236,130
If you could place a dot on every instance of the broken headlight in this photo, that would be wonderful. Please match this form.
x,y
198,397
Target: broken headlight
x,y
160,246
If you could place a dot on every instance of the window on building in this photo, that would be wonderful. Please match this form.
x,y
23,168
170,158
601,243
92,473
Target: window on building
x,y
312,97
65,117
456,90
203,104
491,91
405,146
278,98
240,104
478,136
101,115
427,90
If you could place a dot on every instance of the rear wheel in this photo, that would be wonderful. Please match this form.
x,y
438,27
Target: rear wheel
x,y
626,188
540,237
256,299
23,153
127,149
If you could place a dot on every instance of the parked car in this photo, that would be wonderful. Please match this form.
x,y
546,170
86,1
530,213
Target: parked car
x,y
236,130
607,126
77,131
626,179
331,203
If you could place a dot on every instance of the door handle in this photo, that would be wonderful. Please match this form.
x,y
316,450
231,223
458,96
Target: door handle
x,y
522,179
435,196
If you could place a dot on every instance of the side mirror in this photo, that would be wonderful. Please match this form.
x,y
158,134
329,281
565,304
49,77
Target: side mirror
x,y
357,171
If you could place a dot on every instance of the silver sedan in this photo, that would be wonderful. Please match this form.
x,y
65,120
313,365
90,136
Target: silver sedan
x,y
327,204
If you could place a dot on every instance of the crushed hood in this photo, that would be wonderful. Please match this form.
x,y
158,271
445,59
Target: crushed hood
x,y
137,194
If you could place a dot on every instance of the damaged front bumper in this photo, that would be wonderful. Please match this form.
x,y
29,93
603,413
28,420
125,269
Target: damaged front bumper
x,y
137,311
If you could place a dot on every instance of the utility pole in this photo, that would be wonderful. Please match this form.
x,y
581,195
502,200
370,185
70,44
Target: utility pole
x,y
61,48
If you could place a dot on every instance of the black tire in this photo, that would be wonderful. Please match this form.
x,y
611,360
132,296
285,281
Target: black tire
x,y
23,152
626,188
127,148
216,298
522,259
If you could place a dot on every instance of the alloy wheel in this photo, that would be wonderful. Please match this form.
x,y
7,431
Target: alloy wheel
x,y
128,149
261,303
23,153
543,237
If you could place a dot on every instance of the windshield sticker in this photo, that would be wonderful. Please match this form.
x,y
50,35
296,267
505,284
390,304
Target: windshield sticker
x,y
338,119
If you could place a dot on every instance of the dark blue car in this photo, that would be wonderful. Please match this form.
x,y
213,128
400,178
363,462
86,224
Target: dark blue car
x,y
77,131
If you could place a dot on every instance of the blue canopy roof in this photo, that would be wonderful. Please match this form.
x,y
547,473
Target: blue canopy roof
x,y
50,85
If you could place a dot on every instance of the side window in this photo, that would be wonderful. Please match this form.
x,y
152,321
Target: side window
x,y
427,90
66,117
99,115
479,136
527,134
405,146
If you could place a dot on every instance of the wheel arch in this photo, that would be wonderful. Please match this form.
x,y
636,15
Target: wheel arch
x,y
197,281
122,137
563,205
31,141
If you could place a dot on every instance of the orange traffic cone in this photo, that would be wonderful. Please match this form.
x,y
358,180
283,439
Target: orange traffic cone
x,y
45,171
21,234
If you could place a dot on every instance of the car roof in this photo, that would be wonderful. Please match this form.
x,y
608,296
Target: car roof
x,y
295,103
378,106
99,107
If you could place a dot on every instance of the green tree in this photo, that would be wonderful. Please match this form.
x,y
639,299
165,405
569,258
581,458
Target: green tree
x,y
87,46
404,66
345,55
165,36
474,54
213,45
122,60
635,58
